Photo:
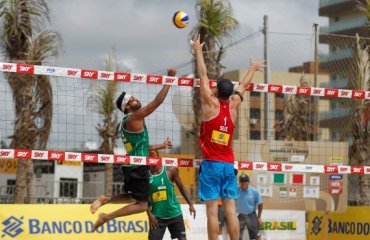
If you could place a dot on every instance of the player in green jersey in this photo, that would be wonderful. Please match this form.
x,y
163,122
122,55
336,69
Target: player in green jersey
x,y
135,137
165,209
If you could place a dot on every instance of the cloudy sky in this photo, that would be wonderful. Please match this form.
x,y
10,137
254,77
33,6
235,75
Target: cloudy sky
x,y
141,31
146,41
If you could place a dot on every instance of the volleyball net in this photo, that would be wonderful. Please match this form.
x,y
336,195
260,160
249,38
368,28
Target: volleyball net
x,y
299,135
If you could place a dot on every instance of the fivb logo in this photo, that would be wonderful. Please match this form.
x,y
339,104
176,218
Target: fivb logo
x,y
12,227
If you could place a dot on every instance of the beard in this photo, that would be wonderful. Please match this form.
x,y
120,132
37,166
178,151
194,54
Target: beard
x,y
137,106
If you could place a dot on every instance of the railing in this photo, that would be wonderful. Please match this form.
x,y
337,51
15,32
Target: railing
x,y
336,55
325,3
344,25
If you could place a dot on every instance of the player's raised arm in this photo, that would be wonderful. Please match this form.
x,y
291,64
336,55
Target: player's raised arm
x,y
157,101
205,91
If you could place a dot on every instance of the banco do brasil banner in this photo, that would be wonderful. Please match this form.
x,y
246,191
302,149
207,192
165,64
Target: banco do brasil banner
x,y
75,222
352,224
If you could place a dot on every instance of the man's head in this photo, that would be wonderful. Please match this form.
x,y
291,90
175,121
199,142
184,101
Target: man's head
x,y
127,103
224,88
244,181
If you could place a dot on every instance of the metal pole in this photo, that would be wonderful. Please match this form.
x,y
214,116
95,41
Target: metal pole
x,y
316,122
268,131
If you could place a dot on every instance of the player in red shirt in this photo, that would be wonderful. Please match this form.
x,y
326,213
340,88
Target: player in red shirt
x,y
217,176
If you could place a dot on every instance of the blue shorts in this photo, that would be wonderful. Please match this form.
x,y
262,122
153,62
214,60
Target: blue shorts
x,y
217,179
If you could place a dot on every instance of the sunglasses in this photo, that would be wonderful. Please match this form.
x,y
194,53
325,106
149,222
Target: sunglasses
x,y
244,181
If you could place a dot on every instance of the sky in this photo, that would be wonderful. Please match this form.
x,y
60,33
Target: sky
x,y
142,32
145,40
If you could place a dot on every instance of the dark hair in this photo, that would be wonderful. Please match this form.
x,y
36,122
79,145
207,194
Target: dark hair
x,y
225,88
120,100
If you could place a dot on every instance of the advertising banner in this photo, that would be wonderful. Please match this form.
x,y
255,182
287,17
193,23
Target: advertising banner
x,y
283,224
75,222
352,224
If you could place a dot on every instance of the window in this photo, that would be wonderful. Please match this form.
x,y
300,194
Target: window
x,y
255,94
68,187
255,135
255,113
279,115
10,186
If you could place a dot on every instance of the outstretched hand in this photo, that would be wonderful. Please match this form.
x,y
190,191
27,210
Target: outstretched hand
x,y
167,143
257,64
197,46
171,72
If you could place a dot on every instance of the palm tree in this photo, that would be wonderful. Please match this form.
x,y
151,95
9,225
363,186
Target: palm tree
x,y
24,42
296,124
103,100
215,24
359,149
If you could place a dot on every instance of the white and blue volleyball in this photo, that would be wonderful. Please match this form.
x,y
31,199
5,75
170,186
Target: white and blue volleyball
x,y
180,19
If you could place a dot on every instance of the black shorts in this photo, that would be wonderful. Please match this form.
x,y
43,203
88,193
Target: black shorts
x,y
136,182
175,225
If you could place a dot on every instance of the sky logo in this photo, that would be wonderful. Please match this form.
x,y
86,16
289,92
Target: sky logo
x,y
12,227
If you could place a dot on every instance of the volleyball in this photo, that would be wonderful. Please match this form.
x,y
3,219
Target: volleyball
x,y
180,19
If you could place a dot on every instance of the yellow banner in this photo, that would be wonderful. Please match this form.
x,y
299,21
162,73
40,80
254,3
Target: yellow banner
x,y
8,165
352,224
67,222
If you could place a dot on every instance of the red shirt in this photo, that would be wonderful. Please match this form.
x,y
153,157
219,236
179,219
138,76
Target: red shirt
x,y
216,136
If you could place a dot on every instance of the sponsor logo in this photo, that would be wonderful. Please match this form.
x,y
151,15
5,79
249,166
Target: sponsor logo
x,y
358,94
121,159
186,163
56,156
260,88
304,91
38,155
244,165
344,93
50,70
72,156
336,177
357,170
151,161
122,76
289,89
170,80
288,167
316,225
72,72
91,74
274,167
86,157
12,227
259,166
7,67
331,92
330,169
5,153
153,79
137,78
170,162
105,158
186,82
275,88
24,68
137,160
105,75
317,91
22,153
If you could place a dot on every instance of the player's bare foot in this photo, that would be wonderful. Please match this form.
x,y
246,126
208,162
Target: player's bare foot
x,y
100,201
103,218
